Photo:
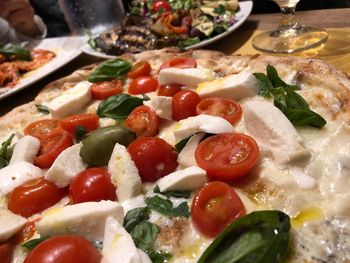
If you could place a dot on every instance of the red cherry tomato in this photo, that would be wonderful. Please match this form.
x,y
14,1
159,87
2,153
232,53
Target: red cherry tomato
x,y
214,207
92,185
179,62
6,252
42,129
34,196
225,108
103,90
184,104
168,90
154,157
143,85
64,249
158,5
141,68
28,230
89,121
143,121
227,156
52,147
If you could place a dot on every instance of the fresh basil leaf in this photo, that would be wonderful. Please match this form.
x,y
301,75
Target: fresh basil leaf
x,y
4,149
33,243
159,256
134,217
110,69
188,42
259,237
119,106
144,235
42,108
80,133
18,52
276,80
181,144
176,194
165,207
265,85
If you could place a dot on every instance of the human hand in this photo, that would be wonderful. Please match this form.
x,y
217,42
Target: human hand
x,y
20,15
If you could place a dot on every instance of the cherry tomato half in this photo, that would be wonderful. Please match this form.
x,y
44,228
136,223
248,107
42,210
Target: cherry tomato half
x,y
89,121
184,104
28,230
214,207
41,129
52,147
158,5
64,249
34,196
92,185
227,156
168,90
179,62
143,85
103,90
154,157
141,68
143,121
225,108
6,252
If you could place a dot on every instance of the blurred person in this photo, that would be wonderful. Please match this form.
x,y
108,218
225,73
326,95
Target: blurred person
x,y
18,22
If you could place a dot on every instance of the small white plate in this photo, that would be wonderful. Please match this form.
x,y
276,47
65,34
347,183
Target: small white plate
x,y
242,15
65,48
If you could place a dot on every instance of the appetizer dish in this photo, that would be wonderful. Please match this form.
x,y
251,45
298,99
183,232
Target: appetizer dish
x,y
182,157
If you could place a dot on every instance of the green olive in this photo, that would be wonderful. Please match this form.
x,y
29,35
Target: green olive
x,y
98,145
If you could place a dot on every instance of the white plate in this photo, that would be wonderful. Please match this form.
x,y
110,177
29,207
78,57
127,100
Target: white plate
x,y
242,15
65,48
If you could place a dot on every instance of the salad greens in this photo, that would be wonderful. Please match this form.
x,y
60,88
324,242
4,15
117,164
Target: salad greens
x,y
15,51
293,106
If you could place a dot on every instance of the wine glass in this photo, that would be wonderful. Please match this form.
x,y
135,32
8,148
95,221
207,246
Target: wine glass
x,y
290,36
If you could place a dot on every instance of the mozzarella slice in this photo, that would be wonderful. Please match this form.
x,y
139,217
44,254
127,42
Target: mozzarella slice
x,y
10,224
16,174
67,165
118,244
71,101
201,123
162,105
186,157
25,150
268,125
185,76
166,131
124,173
132,203
84,219
236,87
189,179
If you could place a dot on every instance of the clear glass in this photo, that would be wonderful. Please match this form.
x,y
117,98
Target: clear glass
x,y
290,36
93,15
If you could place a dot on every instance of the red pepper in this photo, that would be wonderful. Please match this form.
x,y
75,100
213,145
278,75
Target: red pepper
x,y
183,29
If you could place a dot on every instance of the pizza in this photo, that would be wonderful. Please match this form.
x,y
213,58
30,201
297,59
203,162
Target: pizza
x,y
15,61
180,156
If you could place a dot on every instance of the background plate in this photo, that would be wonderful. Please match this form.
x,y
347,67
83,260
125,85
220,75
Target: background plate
x,y
242,15
65,48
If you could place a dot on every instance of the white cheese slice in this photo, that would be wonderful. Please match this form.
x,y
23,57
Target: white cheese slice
x,y
201,123
118,244
84,219
105,122
271,128
162,105
124,173
25,150
71,101
186,157
185,76
67,165
132,203
189,179
10,224
16,174
166,131
236,87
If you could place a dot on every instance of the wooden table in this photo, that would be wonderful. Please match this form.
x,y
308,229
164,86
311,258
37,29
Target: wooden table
x,y
336,51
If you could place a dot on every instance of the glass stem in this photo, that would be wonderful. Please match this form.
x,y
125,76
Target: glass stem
x,y
288,20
